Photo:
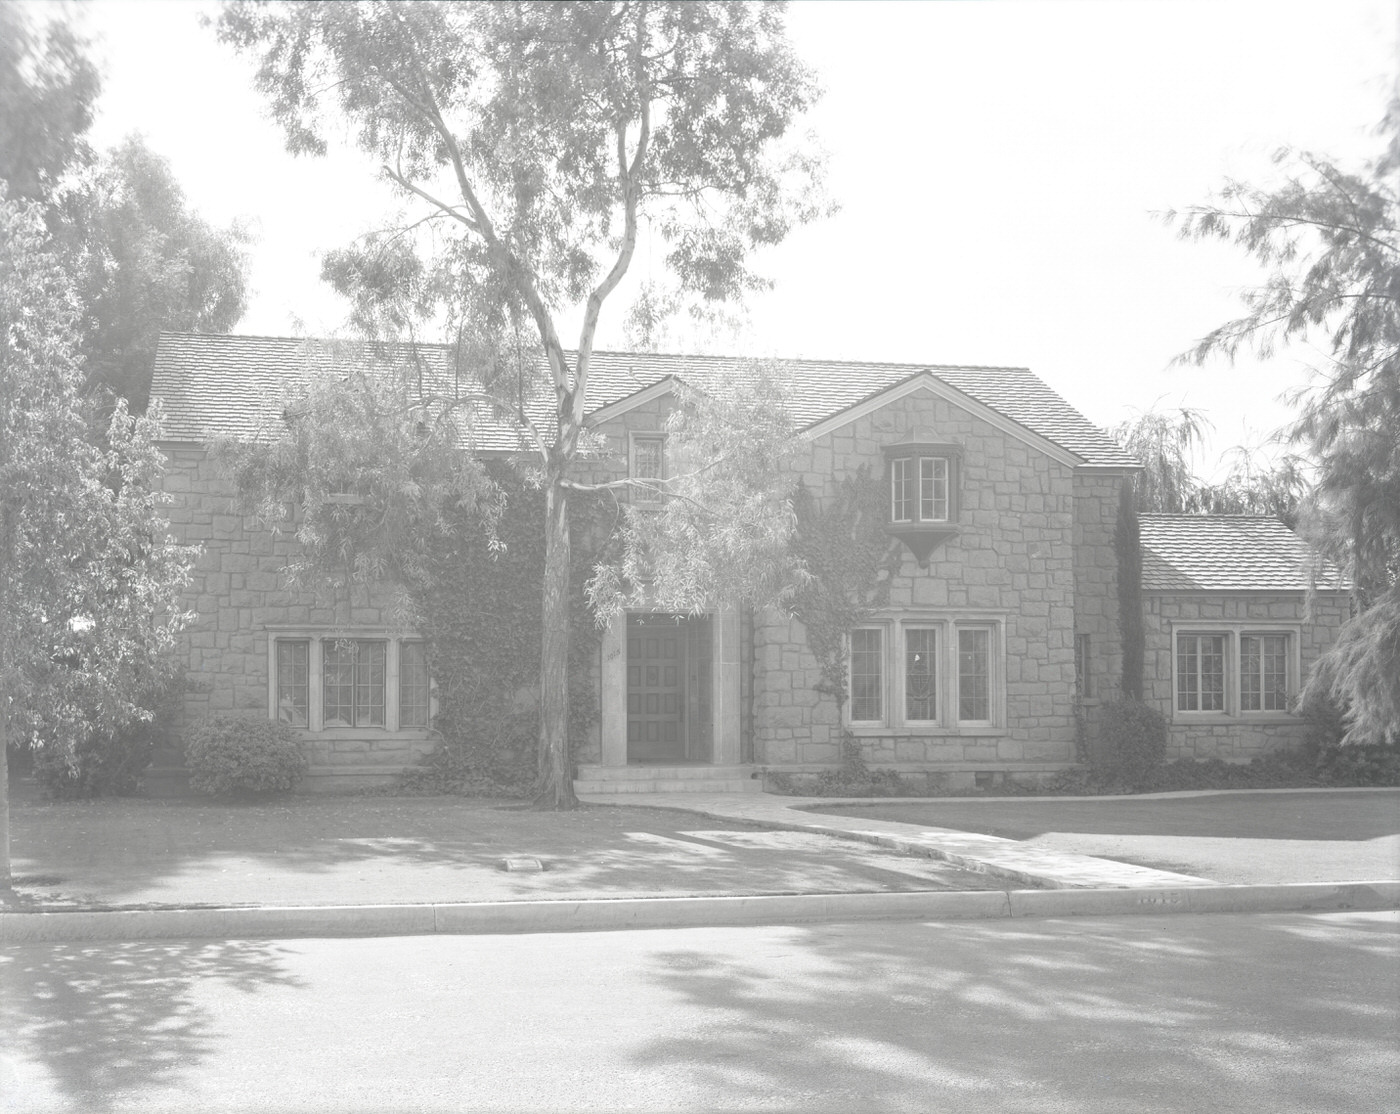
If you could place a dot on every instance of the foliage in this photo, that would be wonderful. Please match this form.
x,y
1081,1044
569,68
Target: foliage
x,y
1135,738
143,263
139,260
478,609
723,532
114,764
1255,486
1127,546
47,88
1164,442
532,138
373,466
87,571
243,754
1330,239
849,561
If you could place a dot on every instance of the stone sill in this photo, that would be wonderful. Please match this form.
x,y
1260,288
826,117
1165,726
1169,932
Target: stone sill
x,y
363,735
1227,719
926,767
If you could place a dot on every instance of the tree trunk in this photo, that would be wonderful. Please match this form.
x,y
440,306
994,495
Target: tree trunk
x,y
556,782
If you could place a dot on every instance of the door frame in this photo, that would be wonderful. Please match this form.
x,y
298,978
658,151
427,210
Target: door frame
x,y
724,688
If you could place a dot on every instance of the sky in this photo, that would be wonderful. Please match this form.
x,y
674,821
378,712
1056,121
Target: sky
x,y
999,168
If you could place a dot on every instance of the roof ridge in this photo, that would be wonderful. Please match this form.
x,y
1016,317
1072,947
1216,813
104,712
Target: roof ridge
x,y
620,352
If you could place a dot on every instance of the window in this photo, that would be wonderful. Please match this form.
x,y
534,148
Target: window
x,y
324,682
1264,673
933,488
648,462
921,673
414,687
919,489
1200,673
1083,686
354,675
1235,671
927,672
974,675
867,674
293,683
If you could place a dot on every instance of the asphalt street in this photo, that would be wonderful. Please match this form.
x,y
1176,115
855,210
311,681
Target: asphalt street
x,y
1276,1013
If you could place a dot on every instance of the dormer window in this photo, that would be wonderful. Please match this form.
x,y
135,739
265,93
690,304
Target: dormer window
x,y
923,477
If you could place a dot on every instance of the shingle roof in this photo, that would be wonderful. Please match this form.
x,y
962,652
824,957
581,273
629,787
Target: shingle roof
x,y
1220,553
216,385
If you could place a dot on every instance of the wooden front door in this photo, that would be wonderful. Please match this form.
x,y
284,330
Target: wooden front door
x,y
669,671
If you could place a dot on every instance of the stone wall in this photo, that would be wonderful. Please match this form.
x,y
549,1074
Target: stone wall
x,y
239,593
1239,737
1012,560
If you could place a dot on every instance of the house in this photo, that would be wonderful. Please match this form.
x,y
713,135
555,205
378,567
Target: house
x,y
996,637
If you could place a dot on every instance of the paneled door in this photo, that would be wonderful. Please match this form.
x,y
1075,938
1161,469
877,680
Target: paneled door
x,y
668,689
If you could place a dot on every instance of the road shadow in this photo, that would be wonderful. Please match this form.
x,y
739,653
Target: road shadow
x,y
99,1021
1045,1018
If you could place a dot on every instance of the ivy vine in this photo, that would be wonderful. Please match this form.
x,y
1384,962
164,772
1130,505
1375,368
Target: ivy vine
x,y
851,561
478,608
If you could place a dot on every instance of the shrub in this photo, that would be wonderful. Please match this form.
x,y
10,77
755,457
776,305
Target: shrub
x,y
110,765
1135,736
233,754
468,772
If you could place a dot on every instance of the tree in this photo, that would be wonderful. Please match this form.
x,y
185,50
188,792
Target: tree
x,y
47,89
140,260
1330,239
1164,442
87,571
531,140
143,263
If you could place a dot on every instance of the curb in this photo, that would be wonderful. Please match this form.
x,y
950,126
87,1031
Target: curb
x,y
483,918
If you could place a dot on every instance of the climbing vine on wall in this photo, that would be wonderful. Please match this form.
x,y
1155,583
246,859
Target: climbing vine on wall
x,y
479,611
842,542
1128,548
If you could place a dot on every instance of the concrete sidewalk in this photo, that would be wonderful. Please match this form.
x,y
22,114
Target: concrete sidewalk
x,y
1013,878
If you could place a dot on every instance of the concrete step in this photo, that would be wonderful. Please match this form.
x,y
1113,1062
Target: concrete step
x,y
674,772
668,785
667,779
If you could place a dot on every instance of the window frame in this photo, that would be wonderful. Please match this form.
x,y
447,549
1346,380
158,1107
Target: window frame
x,y
315,639
894,681
1232,702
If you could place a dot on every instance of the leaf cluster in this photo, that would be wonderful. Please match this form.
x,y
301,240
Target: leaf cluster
x,y
723,532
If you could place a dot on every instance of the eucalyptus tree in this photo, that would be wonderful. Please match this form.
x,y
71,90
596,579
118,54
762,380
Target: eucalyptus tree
x,y
529,143
1330,240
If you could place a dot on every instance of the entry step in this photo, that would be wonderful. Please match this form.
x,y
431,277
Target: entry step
x,y
667,779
